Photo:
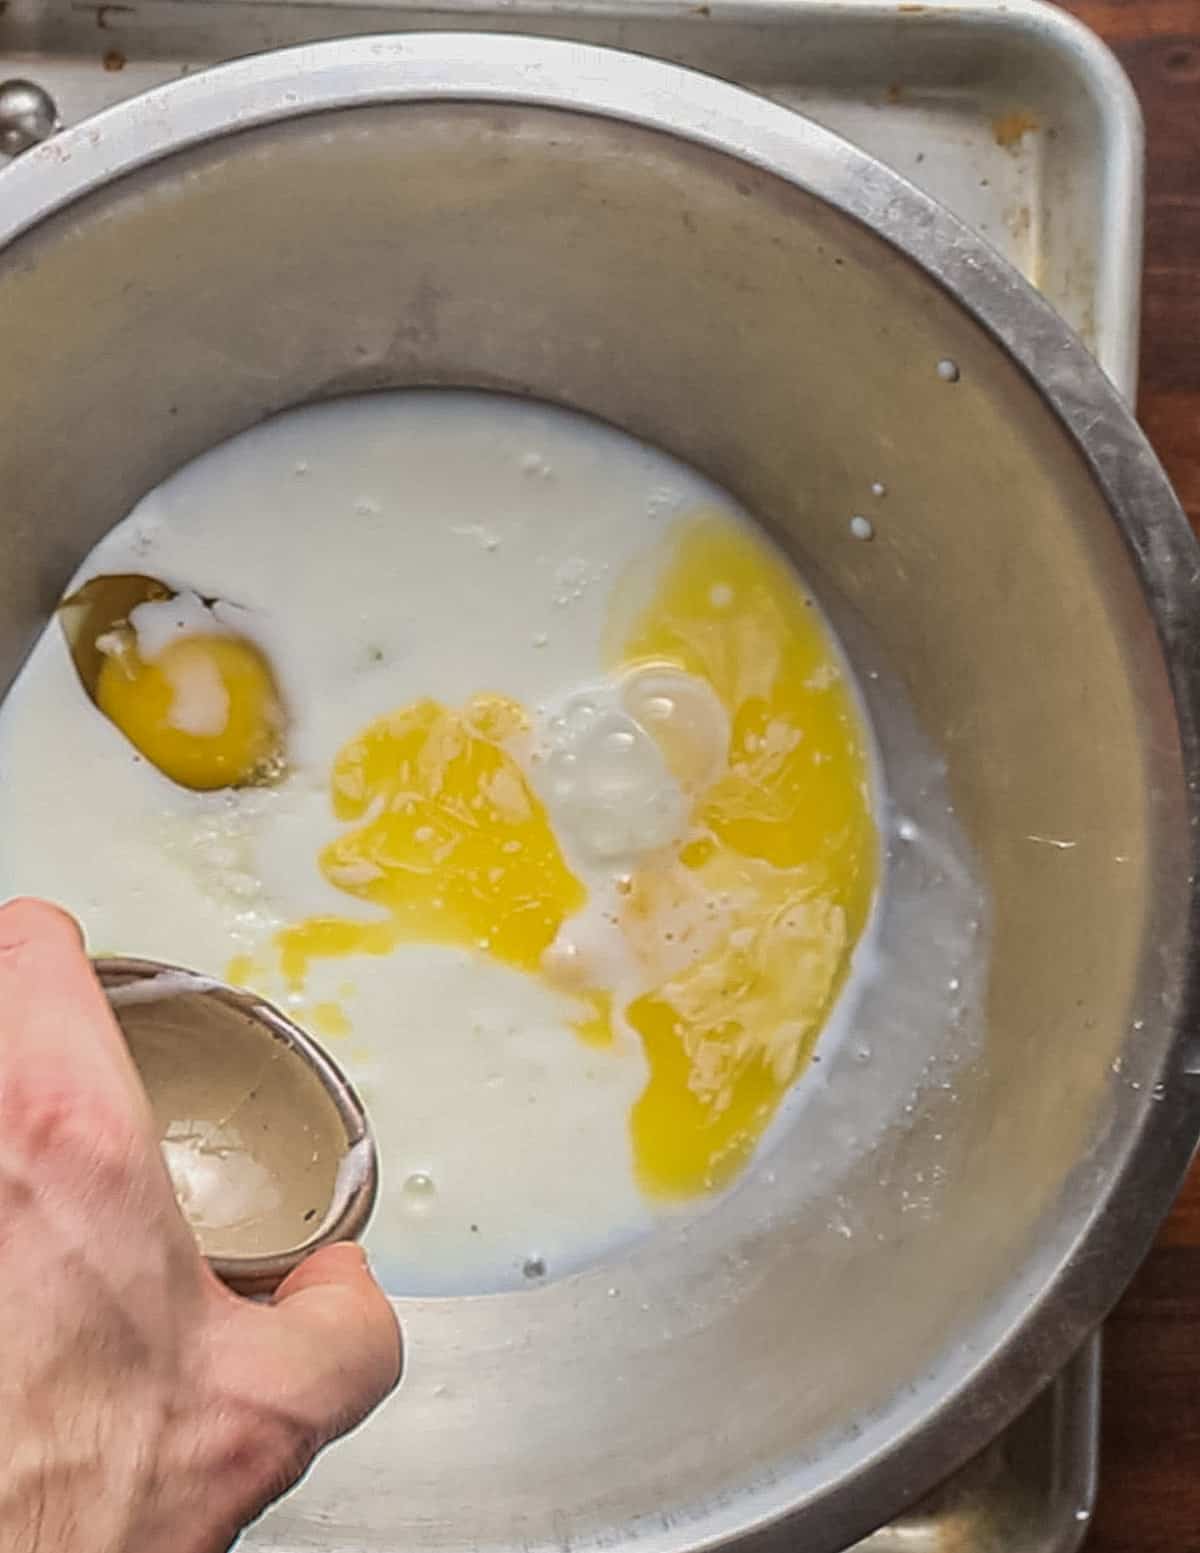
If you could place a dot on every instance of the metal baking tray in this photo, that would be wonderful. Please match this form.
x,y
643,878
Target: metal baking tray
x,y
1012,114
1032,1491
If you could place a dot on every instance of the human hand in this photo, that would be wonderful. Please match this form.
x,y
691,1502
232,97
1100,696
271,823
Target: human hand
x,y
143,1406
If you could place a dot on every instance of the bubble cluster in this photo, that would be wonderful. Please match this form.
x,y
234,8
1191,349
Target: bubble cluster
x,y
620,760
609,785
685,719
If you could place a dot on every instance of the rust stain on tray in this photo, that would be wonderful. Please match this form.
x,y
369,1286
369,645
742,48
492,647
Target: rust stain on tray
x,y
1018,220
1009,129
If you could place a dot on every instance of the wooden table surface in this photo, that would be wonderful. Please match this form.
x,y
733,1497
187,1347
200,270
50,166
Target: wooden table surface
x,y
1150,1467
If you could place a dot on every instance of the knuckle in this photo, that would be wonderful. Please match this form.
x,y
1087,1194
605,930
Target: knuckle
x,y
75,1131
269,1453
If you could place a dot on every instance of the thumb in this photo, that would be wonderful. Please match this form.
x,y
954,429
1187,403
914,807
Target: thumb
x,y
336,1338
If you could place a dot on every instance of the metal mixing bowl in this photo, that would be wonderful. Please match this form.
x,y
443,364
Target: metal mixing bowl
x,y
937,1228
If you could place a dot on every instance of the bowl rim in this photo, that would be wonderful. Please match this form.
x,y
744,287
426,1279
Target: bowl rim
x,y
346,1218
1157,1140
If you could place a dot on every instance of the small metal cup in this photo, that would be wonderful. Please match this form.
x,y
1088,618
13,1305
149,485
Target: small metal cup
x,y
269,1147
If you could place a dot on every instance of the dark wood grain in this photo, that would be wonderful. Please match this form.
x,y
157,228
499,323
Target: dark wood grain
x,y
1150,1469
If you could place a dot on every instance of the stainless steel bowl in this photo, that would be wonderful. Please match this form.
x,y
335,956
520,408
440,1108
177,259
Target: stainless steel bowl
x,y
937,1230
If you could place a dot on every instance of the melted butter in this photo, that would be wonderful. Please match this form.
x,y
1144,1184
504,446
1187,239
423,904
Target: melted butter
x,y
746,934
596,1025
449,841
795,791
330,1019
739,929
244,970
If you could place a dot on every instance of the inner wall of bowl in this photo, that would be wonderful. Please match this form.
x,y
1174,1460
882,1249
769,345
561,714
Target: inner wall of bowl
x,y
790,355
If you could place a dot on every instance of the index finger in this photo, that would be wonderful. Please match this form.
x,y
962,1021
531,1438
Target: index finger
x,y
54,1015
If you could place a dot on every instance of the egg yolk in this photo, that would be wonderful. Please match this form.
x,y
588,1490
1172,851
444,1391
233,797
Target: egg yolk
x,y
746,934
449,840
205,710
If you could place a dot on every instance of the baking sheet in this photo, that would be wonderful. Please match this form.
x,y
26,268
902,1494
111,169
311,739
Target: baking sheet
x,y
1011,114
1032,1491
